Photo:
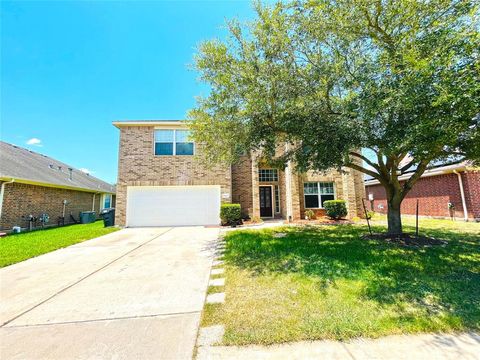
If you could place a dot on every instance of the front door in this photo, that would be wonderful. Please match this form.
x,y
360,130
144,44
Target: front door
x,y
266,201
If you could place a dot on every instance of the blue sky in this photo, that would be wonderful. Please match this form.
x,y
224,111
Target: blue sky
x,y
70,68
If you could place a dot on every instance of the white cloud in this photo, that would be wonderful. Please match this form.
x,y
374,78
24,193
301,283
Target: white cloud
x,y
86,171
35,142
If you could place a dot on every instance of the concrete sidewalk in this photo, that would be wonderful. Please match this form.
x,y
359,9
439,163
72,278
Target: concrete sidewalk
x,y
135,293
464,346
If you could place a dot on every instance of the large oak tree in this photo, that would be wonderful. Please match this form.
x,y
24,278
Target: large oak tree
x,y
330,77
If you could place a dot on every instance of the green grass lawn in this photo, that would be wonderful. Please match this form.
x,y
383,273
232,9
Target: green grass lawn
x,y
326,282
18,247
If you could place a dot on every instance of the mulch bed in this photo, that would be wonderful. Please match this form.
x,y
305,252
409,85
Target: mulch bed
x,y
245,223
406,239
251,223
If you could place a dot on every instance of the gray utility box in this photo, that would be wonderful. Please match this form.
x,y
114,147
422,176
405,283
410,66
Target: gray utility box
x,y
87,217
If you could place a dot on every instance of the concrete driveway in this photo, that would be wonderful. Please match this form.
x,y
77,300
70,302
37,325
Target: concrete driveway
x,y
135,293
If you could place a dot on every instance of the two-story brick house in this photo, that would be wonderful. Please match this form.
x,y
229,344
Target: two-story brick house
x,y
162,183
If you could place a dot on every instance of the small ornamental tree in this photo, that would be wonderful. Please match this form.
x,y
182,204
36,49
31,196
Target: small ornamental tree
x,y
399,78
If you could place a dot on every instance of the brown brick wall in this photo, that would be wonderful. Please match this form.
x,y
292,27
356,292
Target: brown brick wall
x,y
138,166
471,188
21,200
242,185
434,193
330,176
348,186
297,195
359,184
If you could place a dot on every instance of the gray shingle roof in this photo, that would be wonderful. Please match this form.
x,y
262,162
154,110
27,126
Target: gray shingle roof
x,y
19,163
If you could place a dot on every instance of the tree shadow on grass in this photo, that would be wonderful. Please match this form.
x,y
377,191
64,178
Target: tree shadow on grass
x,y
441,279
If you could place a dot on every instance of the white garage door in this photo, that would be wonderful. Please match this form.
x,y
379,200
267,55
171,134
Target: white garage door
x,y
173,205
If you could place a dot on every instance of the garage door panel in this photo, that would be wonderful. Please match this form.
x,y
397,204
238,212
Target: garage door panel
x,y
173,205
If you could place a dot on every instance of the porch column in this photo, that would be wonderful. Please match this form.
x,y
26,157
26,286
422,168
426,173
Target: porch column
x,y
288,191
121,205
255,190
348,185
296,193
292,192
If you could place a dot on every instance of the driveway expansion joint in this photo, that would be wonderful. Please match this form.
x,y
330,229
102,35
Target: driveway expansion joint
x,y
158,289
348,351
166,315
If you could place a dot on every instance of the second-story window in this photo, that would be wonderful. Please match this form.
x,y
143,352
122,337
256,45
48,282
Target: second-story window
x,y
183,146
164,140
173,142
266,175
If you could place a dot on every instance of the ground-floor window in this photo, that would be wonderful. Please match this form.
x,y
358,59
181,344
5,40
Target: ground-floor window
x,y
107,201
316,193
277,199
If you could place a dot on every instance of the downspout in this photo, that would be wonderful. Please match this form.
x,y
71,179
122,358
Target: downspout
x,y
93,202
462,194
2,191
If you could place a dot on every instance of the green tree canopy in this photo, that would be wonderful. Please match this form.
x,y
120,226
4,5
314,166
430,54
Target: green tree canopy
x,y
398,77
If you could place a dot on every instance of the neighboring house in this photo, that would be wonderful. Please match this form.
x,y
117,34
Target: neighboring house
x,y
455,183
161,182
32,184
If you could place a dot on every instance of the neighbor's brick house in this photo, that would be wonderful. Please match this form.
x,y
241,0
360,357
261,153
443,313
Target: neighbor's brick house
x,y
438,187
160,180
35,184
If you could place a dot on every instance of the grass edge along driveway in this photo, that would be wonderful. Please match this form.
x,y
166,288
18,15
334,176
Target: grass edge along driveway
x,y
19,247
328,283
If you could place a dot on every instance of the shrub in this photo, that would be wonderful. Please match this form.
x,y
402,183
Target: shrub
x,y
231,214
309,214
335,209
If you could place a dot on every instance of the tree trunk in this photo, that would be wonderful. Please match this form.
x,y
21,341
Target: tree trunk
x,y
394,217
387,174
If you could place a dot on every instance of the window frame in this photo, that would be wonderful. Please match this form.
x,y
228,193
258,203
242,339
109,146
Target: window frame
x,y
174,143
273,178
277,206
319,194
104,198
